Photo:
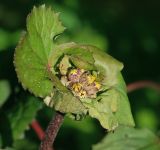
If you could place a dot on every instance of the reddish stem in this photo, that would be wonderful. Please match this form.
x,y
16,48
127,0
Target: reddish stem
x,y
143,84
38,129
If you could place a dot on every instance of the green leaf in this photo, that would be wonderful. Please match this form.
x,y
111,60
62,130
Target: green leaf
x,y
32,62
106,64
129,138
79,62
123,113
67,103
22,115
101,110
78,56
63,100
114,101
4,91
32,52
111,109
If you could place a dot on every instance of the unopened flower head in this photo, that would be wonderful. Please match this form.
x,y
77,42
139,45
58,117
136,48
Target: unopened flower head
x,y
82,83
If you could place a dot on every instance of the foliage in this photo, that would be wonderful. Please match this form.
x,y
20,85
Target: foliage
x,y
113,27
40,55
129,138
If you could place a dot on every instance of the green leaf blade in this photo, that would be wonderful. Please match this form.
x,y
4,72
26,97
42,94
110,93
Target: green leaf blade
x,y
112,107
130,139
30,70
123,114
43,25
32,52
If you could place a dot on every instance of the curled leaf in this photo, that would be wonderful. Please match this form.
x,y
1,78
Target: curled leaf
x,y
111,106
71,78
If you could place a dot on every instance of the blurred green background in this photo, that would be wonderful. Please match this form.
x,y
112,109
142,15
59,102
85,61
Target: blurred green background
x,y
128,30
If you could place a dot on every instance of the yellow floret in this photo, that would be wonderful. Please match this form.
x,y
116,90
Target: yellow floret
x,y
82,94
73,71
76,87
91,79
97,85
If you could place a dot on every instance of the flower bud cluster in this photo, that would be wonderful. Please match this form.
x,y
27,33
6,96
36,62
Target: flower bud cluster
x,y
82,83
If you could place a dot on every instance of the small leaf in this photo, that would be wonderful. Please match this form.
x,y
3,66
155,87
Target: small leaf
x,y
32,52
22,115
129,138
4,91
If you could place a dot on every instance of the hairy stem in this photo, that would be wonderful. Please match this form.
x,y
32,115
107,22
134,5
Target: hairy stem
x,y
51,132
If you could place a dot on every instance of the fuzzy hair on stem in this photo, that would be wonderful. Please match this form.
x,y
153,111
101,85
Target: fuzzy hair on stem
x,y
51,132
